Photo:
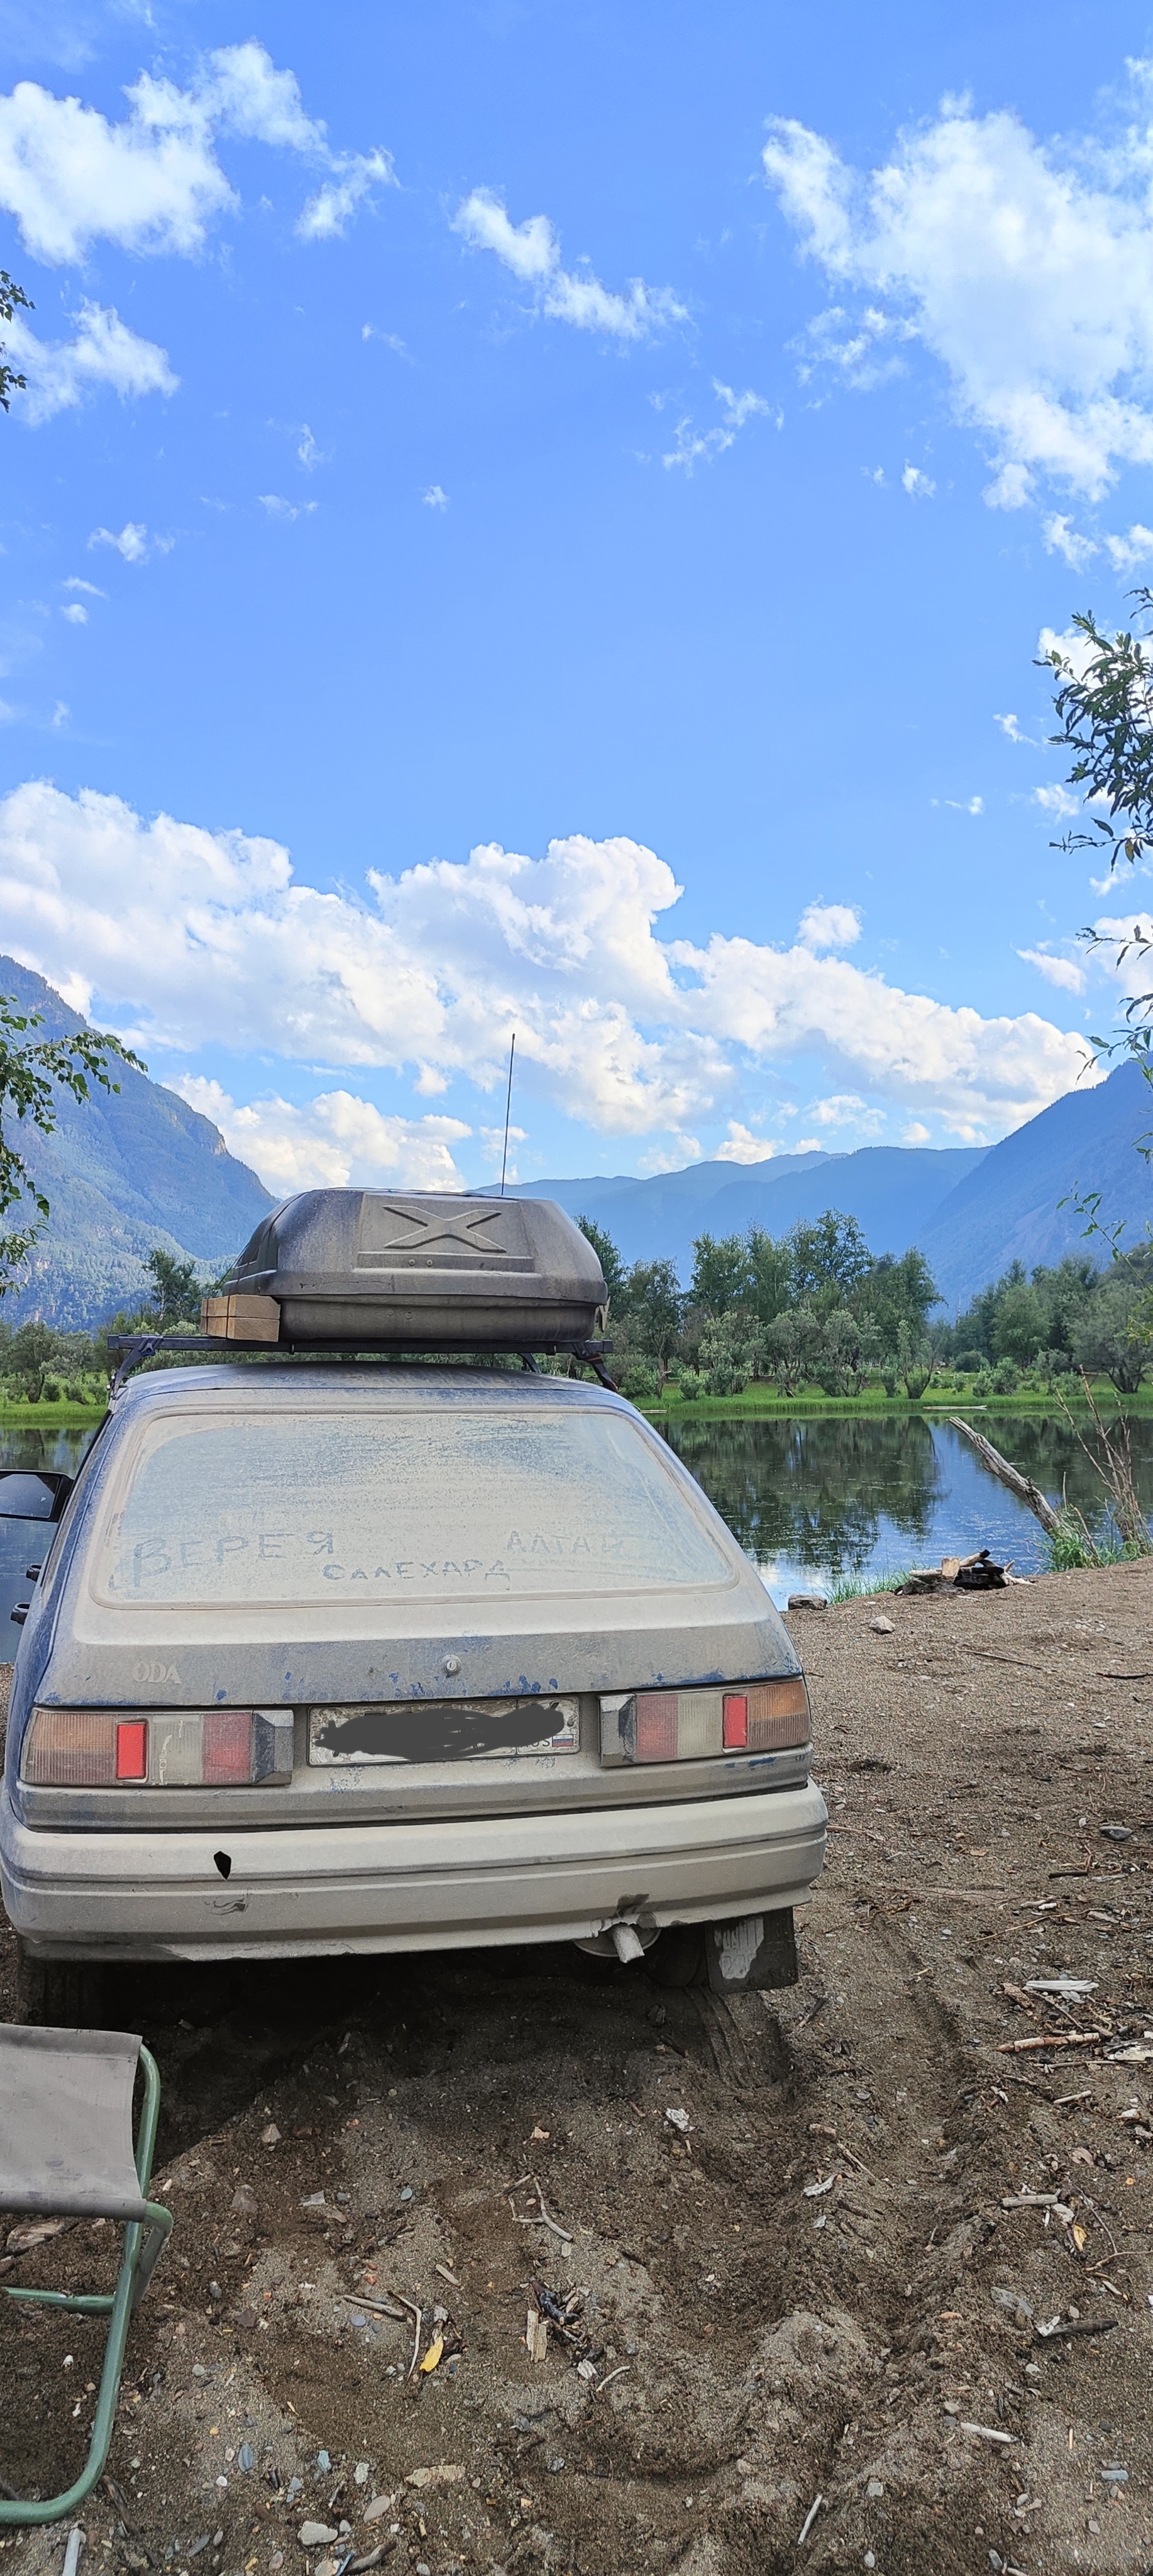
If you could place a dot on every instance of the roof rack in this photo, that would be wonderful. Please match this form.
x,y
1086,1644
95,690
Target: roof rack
x,y
135,1348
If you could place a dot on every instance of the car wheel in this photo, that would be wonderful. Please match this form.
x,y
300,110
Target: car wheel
x,y
58,1994
678,1958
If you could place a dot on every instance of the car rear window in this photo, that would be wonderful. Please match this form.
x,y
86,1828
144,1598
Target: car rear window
x,y
358,1506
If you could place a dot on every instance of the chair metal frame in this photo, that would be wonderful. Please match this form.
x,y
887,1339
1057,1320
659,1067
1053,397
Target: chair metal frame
x,y
142,2246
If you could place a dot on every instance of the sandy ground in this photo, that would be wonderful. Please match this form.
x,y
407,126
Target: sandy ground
x,y
844,2264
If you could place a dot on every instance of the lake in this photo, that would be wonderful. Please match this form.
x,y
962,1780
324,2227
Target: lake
x,y
812,1500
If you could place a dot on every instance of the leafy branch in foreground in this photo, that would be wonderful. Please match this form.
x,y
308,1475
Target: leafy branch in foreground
x,y
32,1071
11,296
1104,705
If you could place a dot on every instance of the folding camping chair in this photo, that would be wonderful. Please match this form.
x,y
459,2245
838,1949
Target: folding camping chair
x,y
66,2152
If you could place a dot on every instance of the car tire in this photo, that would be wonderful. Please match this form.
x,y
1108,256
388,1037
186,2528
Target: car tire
x,y
58,1994
678,1958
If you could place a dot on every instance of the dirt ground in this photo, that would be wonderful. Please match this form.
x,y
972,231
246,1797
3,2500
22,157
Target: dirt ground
x,y
888,2281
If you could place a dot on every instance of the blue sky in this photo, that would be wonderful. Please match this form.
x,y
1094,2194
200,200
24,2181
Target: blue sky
x,y
542,517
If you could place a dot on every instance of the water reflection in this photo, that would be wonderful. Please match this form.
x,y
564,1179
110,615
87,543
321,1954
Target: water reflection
x,y
24,1543
826,1497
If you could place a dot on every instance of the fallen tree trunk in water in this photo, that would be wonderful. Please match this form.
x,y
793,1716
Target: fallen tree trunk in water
x,y
1023,1486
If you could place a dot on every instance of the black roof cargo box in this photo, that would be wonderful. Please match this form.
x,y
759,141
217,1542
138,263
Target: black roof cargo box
x,y
417,1271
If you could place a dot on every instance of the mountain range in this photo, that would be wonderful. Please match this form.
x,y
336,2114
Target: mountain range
x,y
129,1170
970,1210
123,1172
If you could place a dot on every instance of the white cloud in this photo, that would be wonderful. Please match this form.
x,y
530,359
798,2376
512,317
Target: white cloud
x,y
327,215
391,339
132,541
1055,800
971,804
89,588
278,508
1061,971
189,937
1133,970
829,925
434,498
920,487
1012,731
1025,269
1061,538
692,444
308,453
1073,648
76,613
846,1109
152,181
532,251
741,1146
916,1133
104,352
1125,553
330,1141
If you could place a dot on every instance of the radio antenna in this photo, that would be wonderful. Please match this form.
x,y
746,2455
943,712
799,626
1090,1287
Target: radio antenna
x,y
507,1112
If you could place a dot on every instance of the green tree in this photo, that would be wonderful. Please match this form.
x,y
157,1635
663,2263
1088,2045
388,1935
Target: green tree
x,y
770,1265
722,1273
654,1309
32,1071
606,1253
828,1259
178,1290
732,1347
895,1292
11,297
794,1340
1110,1339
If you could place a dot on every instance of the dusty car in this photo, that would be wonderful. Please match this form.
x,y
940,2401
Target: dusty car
x,y
329,1654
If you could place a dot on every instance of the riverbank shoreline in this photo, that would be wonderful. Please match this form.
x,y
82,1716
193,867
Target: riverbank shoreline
x,y
762,1404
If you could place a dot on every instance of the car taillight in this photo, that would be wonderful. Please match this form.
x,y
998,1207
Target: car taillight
x,y
96,1748
688,1725
132,1748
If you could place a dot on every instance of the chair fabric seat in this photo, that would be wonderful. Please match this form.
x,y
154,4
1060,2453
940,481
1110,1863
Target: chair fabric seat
x,y
66,2123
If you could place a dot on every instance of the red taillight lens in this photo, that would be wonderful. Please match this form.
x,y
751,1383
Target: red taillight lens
x,y
736,1723
132,1749
227,1745
689,1725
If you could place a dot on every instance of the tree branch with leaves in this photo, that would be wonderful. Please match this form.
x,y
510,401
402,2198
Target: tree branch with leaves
x,y
1104,705
33,1072
12,299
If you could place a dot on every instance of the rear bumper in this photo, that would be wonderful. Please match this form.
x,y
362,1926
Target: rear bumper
x,y
299,1891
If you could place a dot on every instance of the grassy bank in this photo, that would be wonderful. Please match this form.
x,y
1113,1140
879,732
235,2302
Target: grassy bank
x,y
14,1415
761,1400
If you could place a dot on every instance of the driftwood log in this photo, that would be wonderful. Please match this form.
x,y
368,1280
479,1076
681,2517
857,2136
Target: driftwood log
x,y
1023,1486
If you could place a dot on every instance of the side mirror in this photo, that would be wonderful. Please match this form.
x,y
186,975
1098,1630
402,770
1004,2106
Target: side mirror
x,y
33,1494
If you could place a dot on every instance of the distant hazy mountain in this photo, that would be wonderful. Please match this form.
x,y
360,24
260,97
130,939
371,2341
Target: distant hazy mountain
x,y
971,1211
1008,1208
894,1191
122,1173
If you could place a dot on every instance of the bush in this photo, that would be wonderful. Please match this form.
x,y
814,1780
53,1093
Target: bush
x,y
691,1385
1006,1377
639,1382
50,1390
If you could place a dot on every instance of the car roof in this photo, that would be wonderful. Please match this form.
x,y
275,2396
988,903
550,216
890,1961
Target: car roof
x,y
285,1387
